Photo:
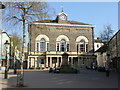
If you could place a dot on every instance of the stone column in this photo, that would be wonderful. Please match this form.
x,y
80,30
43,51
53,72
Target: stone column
x,y
46,61
57,61
36,62
28,63
71,61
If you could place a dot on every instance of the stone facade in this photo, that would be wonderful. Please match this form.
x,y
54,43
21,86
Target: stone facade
x,y
114,51
49,39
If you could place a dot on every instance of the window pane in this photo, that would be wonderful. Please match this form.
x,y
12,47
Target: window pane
x,y
57,46
42,45
42,61
86,47
37,47
67,47
63,45
82,45
48,47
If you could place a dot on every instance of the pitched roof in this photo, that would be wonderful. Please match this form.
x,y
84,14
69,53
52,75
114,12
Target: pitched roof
x,y
102,49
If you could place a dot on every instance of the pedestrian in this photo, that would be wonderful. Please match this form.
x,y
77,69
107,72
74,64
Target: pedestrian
x,y
107,71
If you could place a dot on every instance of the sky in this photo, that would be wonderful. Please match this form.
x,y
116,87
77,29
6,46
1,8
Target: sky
x,y
95,13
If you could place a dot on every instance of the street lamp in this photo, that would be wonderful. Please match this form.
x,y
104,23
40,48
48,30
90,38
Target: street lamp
x,y
6,66
2,6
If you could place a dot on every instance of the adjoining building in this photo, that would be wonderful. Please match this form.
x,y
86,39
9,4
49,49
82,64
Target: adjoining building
x,y
98,43
109,54
3,38
49,39
101,54
114,51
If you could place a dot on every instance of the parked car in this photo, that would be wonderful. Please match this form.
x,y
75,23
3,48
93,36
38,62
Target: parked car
x,y
54,70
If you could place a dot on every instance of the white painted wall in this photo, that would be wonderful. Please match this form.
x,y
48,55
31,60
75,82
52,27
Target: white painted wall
x,y
97,45
101,59
3,38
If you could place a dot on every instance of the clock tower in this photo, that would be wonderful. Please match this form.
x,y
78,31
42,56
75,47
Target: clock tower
x,y
62,18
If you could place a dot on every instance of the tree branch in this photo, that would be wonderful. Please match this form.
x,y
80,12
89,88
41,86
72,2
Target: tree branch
x,y
16,18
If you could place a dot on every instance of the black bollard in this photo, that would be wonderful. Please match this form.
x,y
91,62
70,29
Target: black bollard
x,y
15,72
6,74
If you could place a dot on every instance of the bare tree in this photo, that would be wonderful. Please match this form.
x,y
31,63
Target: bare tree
x,y
25,12
16,43
107,33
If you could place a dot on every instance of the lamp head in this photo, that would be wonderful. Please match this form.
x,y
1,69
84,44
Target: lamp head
x,y
2,6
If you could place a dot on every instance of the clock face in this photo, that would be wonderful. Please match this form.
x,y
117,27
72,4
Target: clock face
x,y
62,17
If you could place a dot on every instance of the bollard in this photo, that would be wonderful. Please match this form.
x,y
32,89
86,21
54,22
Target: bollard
x,y
5,74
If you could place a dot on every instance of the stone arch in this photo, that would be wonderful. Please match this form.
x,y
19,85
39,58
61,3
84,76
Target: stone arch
x,y
60,37
80,38
39,37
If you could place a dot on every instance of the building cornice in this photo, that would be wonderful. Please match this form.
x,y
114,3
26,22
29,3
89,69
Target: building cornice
x,y
65,25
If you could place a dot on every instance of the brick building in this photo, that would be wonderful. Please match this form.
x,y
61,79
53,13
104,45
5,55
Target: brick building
x,y
49,39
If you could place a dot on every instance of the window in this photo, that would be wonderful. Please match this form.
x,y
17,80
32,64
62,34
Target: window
x,y
42,45
63,45
82,45
97,45
86,47
42,61
48,47
37,47
67,47
57,46
54,60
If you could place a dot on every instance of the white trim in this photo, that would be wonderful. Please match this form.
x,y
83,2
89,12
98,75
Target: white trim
x,y
70,25
39,37
60,37
81,37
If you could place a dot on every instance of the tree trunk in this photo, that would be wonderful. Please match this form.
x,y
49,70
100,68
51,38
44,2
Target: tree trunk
x,y
21,76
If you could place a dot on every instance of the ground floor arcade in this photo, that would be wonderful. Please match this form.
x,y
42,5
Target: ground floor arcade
x,y
55,60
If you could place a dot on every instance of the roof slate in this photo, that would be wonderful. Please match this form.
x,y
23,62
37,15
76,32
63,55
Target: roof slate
x,y
102,49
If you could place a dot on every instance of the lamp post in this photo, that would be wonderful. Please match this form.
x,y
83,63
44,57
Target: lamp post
x,y
15,60
2,6
6,66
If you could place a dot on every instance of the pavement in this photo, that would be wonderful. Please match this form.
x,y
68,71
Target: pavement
x,y
44,79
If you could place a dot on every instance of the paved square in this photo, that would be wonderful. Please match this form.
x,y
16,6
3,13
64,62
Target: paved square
x,y
84,79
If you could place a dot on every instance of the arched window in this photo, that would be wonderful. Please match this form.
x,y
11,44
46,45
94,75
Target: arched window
x,y
63,45
42,44
82,45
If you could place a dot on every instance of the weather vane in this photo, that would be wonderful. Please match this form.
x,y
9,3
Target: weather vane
x,y
62,8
